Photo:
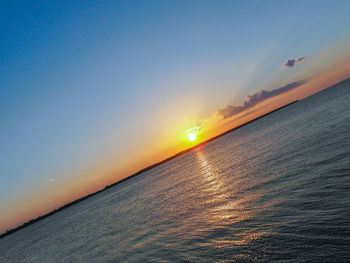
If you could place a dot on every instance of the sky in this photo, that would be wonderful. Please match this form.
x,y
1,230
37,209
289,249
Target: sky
x,y
92,91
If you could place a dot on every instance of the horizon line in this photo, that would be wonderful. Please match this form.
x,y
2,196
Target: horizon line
x,y
147,168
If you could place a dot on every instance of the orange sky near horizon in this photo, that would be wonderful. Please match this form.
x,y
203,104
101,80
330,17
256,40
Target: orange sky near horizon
x,y
96,179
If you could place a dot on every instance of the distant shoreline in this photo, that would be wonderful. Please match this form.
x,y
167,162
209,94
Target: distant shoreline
x,y
32,221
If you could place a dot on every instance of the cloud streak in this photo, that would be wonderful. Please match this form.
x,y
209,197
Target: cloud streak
x,y
51,180
252,100
292,62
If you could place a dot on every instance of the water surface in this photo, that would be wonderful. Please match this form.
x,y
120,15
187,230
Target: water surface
x,y
277,189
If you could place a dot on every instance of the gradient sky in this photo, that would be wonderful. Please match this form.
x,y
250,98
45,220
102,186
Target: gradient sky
x,y
91,91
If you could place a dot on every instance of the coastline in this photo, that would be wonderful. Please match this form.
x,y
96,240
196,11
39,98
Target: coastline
x,y
32,221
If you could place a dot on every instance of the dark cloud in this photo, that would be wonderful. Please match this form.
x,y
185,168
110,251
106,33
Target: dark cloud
x,y
291,62
252,100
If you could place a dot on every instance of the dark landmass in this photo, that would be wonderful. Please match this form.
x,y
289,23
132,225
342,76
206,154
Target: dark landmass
x,y
32,221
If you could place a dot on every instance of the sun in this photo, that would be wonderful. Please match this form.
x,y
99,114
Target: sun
x,y
192,136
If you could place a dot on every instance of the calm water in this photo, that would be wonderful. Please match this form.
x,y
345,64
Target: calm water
x,y
276,190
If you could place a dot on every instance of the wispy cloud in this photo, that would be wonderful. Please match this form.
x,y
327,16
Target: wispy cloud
x,y
292,62
50,180
252,100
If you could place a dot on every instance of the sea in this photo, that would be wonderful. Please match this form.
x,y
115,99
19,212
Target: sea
x,y
275,190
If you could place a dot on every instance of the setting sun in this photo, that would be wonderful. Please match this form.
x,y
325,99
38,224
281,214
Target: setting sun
x,y
192,136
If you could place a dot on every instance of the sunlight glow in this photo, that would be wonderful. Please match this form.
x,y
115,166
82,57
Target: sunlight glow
x,y
192,136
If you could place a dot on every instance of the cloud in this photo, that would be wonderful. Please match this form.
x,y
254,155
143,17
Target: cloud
x,y
50,180
197,128
252,100
291,62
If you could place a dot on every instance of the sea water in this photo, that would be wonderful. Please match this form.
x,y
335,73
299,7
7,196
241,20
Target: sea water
x,y
275,190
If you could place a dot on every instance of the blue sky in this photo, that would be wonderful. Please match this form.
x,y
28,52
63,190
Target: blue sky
x,y
85,84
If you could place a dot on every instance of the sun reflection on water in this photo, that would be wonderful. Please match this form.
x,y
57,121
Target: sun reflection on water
x,y
225,209
215,188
